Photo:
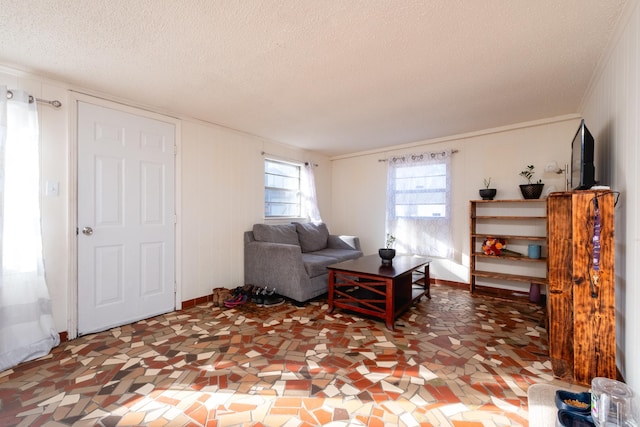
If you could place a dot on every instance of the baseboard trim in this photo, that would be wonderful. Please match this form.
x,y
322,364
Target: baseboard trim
x,y
449,283
195,301
507,294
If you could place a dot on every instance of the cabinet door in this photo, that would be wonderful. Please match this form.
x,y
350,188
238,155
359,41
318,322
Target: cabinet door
x,y
593,305
560,298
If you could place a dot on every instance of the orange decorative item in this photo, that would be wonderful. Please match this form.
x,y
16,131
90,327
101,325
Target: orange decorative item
x,y
493,246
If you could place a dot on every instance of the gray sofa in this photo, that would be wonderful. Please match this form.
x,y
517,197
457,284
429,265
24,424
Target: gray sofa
x,y
293,258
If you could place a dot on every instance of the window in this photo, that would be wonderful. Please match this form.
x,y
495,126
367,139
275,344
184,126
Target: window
x,y
420,191
419,204
282,196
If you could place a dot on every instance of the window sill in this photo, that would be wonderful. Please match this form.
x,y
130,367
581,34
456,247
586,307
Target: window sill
x,y
284,220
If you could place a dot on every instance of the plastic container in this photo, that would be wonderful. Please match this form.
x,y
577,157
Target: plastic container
x,y
611,403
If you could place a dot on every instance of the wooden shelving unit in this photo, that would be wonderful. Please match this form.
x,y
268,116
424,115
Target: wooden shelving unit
x,y
506,219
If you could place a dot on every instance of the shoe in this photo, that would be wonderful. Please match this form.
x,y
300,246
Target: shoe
x,y
215,298
248,289
232,301
224,294
235,301
257,297
272,299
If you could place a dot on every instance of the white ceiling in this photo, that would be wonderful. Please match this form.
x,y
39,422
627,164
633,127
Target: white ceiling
x,y
334,76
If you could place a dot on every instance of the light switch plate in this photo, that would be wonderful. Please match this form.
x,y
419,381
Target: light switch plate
x,y
52,188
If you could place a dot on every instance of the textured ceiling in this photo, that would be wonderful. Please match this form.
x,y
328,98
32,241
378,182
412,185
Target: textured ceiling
x,y
335,76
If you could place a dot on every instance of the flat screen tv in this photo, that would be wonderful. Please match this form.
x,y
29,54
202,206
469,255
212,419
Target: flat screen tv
x,y
582,167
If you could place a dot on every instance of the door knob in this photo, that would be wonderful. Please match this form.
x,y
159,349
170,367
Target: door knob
x,y
87,231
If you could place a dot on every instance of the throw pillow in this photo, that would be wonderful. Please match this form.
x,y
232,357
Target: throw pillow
x,y
313,237
283,233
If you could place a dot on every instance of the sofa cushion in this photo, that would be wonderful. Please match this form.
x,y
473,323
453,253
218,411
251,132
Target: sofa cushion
x,y
313,237
339,254
282,233
316,265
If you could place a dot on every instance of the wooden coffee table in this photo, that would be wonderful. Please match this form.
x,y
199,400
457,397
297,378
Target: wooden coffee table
x,y
366,286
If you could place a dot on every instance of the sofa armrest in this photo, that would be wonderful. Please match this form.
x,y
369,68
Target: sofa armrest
x,y
273,264
343,242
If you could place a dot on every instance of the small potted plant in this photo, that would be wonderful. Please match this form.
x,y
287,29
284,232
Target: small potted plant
x,y
387,253
530,190
487,193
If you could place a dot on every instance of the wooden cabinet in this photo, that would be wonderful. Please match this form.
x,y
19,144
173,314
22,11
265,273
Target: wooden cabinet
x,y
520,223
581,308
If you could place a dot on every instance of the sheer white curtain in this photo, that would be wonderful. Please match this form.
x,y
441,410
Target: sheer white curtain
x,y
419,203
26,322
309,199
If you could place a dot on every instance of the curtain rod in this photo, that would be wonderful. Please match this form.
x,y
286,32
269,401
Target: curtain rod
x,y
284,159
452,152
55,103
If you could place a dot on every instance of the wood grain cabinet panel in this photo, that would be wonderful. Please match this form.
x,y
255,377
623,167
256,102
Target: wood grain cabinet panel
x,y
581,309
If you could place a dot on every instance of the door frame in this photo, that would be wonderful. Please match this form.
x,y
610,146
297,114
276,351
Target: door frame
x,y
75,97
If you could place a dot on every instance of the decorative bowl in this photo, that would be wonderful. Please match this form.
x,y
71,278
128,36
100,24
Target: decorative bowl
x,y
387,255
574,402
487,193
574,419
531,191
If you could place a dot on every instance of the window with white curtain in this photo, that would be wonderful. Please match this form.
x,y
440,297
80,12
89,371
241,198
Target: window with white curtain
x,y
419,191
282,191
419,203
26,318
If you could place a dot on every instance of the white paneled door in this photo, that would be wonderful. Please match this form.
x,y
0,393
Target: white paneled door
x,y
126,225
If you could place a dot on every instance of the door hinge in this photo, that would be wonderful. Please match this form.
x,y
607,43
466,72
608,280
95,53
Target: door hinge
x,y
175,150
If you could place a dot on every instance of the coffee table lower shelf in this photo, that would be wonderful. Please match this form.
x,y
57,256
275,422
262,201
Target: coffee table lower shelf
x,y
362,301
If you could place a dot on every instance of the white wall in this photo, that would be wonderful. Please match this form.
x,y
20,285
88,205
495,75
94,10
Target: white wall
x,y
612,111
221,193
222,196
359,181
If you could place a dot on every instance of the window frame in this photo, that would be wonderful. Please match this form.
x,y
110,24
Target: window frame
x,y
299,203
426,190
